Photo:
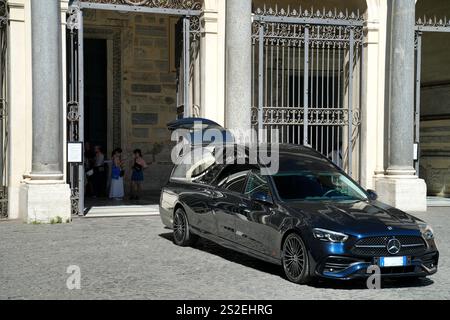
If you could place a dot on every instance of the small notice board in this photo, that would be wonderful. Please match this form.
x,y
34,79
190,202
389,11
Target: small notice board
x,y
75,152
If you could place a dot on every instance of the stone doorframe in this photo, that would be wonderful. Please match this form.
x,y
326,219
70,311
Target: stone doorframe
x,y
189,10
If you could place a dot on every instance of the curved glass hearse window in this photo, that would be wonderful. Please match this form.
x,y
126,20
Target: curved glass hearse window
x,y
193,165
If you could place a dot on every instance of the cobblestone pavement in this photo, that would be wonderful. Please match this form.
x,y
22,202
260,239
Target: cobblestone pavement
x,y
134,258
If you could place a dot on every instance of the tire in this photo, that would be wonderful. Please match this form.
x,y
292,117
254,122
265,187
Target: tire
x,y
295,260
182,235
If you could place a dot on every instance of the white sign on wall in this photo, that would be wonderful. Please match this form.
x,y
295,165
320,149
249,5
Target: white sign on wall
x,y
75,152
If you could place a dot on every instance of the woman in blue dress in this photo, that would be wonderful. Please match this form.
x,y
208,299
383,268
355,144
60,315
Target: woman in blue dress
x,y
137,177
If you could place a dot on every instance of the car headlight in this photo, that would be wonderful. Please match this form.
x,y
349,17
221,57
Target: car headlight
x,y
329,236
427,231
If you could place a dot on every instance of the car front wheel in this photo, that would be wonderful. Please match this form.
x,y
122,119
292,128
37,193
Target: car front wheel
x,y
295,259
181,233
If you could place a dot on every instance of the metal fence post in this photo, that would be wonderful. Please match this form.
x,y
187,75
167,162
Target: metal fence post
x,y
350,102
81,108
417,108
260,80
306,88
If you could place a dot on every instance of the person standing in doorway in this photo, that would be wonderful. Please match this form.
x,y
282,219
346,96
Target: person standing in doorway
x,y
137,177
117,190
99,172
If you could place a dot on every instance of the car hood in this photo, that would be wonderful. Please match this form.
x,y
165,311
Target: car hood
x,y
356,217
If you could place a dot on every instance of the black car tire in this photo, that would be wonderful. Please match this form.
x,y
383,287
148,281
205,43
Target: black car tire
x,y
295,259
182,235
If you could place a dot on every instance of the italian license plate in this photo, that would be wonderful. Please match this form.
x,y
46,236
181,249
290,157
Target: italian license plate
x,y
393,261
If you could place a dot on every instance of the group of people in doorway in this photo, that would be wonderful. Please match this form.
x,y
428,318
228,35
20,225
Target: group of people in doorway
x,y
106,177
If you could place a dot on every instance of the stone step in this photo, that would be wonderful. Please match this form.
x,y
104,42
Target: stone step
x,y
123,211
438,202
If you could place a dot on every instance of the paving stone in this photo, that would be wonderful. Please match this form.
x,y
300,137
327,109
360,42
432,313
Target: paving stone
x,y
134,258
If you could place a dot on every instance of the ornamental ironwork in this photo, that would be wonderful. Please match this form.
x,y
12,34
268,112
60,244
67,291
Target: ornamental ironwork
x,y
73,17
166,4
433,22
286,34
305,71
315,116
194,27
3,12
324,15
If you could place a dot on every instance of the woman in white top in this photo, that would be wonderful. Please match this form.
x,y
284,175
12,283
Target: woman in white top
x,y
117,190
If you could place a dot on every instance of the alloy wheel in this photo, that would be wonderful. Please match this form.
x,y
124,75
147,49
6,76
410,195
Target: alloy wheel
x,y
295,259
179,226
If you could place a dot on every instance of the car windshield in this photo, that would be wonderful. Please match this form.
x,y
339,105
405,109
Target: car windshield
x,y
314,179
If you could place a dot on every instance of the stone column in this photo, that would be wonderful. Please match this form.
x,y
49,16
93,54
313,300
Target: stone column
x,y
47,89
238,64
401,102
45,197
400,187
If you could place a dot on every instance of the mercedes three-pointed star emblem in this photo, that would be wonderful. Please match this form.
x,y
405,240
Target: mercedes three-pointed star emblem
x,y
393,246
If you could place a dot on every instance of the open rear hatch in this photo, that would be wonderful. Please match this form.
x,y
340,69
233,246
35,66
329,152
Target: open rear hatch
x,y
200,131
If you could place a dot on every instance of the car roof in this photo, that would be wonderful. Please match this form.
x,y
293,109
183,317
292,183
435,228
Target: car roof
x,y
285,150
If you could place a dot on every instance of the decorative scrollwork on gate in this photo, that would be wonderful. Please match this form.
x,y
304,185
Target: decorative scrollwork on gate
x,y
433,22
316,116
305,13
75,199
167,4
3,13
321,32
195,27
73,111
73,18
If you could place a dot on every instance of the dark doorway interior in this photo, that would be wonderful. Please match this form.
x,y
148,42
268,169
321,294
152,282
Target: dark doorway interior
x,y
96,93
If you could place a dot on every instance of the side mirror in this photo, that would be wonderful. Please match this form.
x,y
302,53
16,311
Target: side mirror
x,y
262,197
372,195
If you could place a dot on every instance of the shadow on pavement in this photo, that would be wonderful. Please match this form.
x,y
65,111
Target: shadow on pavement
x,y
250,262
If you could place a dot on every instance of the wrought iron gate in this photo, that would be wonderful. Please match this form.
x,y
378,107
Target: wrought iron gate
x,y
423,25
3,109
189,13
306,80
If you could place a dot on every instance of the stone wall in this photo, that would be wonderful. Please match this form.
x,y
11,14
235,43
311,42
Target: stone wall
x,y
435,101
435,156
146,85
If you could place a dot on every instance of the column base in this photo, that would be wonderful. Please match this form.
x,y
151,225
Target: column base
x,y
45,202
404,193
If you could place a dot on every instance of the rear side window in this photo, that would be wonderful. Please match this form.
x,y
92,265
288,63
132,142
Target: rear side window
x,y
256,183
193,166
237,183
179,172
